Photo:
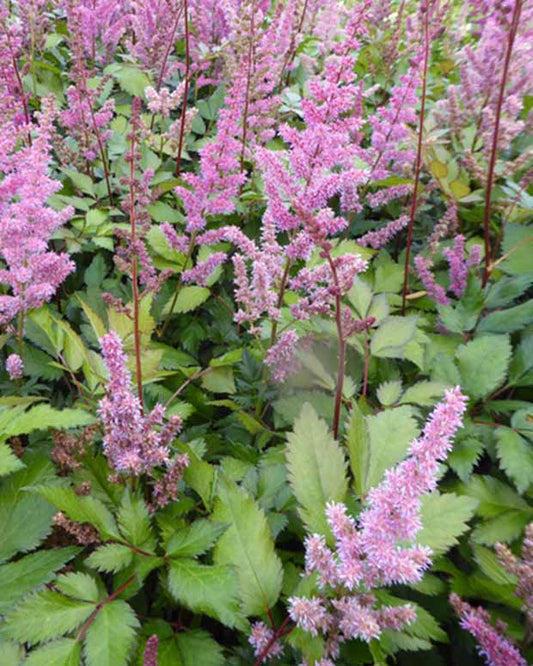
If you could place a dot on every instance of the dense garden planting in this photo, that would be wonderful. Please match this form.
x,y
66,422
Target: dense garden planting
x,y
266,316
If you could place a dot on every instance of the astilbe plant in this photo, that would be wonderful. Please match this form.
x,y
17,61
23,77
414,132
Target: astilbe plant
x,y
372,552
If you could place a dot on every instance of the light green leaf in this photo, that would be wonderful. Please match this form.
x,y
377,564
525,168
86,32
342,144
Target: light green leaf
x,y
189,298
10,653
78,585
495,497
19,578
219,380
444,518
389,392
110,558
197,648
390,433
134,522
8,460
194,539
206,589
506,527
247,544
65,652
423,393
516,457
82,509
392,336
508,320
110,639
42,417
45,615
357,441
317,469
491,567
130,79
483,364
516,247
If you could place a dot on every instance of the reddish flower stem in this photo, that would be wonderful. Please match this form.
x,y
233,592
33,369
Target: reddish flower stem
x,y
101,604
185,89
494,150
248,83
134,277
279,633
418,159
342,349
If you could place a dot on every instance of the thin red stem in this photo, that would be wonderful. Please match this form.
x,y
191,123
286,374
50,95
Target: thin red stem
x,y
185,88
342,349
280,631
494,149
418,158
135,285
248,84
101,604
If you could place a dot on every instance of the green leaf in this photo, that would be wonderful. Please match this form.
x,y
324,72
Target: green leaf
x,y
20,508
82,509
247,544
19,578
517,246
509,320
110,639
495,497
392,336
10,653
423,393
42,417
78,585
444,518
110,558
80,180
357,441
130,79
8,460
389,435
317,469
134,522
65,652
506,527
483,364
206,589
45,615
516,457
194,539
491,567
189,298
197,648
389,392
219,380
506,290
464,456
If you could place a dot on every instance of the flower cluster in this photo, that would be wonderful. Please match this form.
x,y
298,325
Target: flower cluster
x,y
369,554
132,442
492,643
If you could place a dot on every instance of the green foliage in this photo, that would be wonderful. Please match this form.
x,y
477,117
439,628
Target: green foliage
x,y
248,547
110,639
478,376
316,467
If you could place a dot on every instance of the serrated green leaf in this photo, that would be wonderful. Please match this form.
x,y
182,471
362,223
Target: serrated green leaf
x,y
423,393
494,496
491,567
134,522
317,469
78,585
110,558
444,518
506,290
506,527
247,545
42,417
190,298
10,653
198,647
392,336
212,590
516,457
21,577
219,380
357,442
479,378
82,509
8,460
110,639
45,615
389,435
65,652
130,79
389,392
194,539
464,456
509,320
20,508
